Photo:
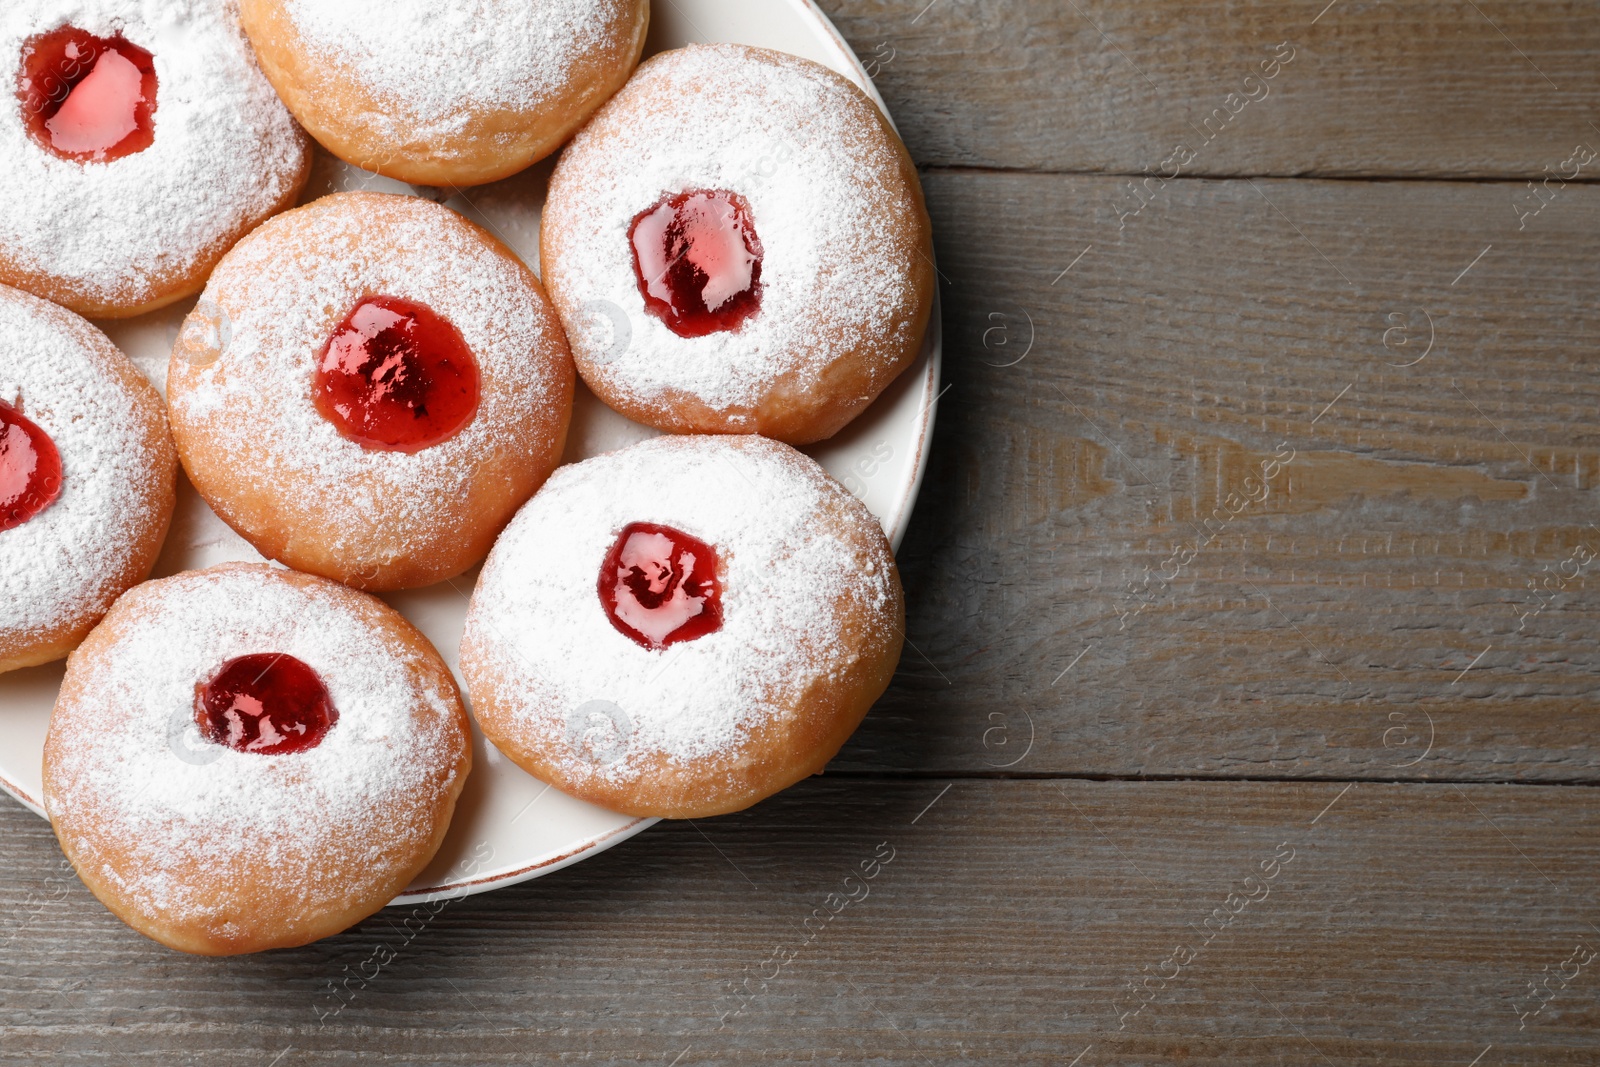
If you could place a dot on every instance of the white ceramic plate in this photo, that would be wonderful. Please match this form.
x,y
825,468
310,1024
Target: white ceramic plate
x,y
509,826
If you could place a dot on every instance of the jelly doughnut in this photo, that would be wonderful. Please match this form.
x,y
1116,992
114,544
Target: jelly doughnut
x,y
86,478
737,243
141,141
369,389
683,627
445,94
246,758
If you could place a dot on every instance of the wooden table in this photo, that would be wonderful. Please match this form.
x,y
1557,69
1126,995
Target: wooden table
x,y
1247,714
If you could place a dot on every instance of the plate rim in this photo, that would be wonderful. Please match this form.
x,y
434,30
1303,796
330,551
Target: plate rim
x,y
933,349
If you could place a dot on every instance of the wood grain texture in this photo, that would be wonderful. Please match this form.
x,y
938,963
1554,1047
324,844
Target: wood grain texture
x,y
1401,925
1097,493
1278,487
1411,87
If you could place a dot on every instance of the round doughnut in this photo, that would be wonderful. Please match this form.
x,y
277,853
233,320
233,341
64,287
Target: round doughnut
x,y
141,143
442,94
86,478
683,627
737,243
246,758
322,391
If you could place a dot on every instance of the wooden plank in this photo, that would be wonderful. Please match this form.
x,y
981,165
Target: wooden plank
x,y
1413,87
1414,565
1394,924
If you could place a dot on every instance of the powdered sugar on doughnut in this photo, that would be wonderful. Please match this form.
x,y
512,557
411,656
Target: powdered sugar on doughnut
x,y
225,151
67,563
805,150
189,814
784,575
283,290
434,65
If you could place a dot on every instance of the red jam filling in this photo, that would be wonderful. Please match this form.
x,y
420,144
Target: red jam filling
x,y
269,703
698,262
659,586
87,98
30,468
396,376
